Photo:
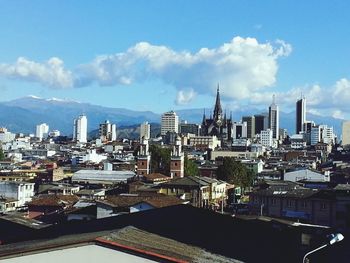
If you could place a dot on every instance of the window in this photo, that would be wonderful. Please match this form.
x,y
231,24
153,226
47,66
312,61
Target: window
x,y
175,164
323,206
142,163
273,201
303,204
289,203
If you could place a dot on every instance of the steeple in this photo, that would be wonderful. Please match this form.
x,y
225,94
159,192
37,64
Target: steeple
x,y
217,108
204,118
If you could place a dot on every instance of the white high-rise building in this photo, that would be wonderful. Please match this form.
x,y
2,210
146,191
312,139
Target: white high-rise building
x,y
42,131
239,130
108,131
274,119
322,133
346,133
145,131
80,129
266,138
169,122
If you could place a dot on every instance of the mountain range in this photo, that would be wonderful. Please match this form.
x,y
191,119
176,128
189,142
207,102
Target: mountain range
x,y
23,114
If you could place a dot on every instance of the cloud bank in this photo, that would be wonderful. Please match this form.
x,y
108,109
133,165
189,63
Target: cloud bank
x,y
241,66
245,69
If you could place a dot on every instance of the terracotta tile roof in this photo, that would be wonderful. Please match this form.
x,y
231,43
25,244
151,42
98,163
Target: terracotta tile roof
x,y
154,200
156,176
54,200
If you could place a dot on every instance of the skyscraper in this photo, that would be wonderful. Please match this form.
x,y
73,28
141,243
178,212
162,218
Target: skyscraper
x,y
259,123
108,131
250,120
300,115
169,123
145,131
80,129
346,133
274,119
42,131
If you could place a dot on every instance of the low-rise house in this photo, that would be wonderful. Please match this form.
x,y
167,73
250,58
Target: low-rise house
x,y
155,178
199,191
58,189
289,200
8,205
91,194
50,208
122,204
20,191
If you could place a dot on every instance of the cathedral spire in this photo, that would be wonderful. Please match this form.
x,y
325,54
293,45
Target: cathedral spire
x,y
203,116
217,108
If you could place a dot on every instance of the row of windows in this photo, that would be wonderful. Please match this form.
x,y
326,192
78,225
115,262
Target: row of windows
x,y
290,203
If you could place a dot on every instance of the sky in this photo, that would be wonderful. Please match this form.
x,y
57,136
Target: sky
x,y
170,55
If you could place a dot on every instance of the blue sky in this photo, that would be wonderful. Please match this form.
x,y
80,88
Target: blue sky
x,y
162,55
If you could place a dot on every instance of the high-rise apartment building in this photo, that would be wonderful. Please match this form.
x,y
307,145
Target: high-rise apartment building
x,y
266,138
145,131
192,128
42,131
250,120
274,119
322,133
300,115
108,132
260,123
239,130
80,129
346,133
169,123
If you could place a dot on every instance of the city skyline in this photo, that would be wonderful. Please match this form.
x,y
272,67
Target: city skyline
x,y
114,54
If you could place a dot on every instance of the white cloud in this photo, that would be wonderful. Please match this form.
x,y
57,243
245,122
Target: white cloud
x,y
338,114
341,93
241,66
51,73
184,97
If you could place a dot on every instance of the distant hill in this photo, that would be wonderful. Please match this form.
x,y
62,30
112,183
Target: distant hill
x,y
23,114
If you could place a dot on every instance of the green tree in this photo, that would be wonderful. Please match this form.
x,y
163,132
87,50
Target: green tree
x,y
2,155
190,167
160,159
235,172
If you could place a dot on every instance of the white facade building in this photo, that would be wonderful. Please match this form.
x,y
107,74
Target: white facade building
x,y
210,142
322,133
80,129
145,131
89,156
54,133
21,191
42,130
169,122
298,141
266,138
6,136
346,133
239,130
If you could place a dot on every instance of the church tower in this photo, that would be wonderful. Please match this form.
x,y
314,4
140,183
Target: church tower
x,y
143,159
217,108
177,161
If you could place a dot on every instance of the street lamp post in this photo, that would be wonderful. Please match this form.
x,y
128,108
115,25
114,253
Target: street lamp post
x,y
335,238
